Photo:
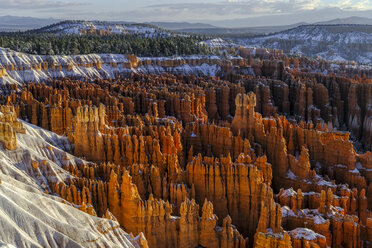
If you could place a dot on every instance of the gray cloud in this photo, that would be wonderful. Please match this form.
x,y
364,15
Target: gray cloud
x,y
36,4
232,9
242,7
231,13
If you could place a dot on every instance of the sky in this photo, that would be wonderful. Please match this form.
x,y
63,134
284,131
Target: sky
x,y
221,13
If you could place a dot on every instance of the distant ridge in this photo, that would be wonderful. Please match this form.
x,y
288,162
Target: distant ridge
x,y
182,25
241,31
349,20
101,27
16,23
339,42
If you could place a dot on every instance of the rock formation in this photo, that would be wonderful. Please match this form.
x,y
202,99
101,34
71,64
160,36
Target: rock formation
x,y
194,161
9,127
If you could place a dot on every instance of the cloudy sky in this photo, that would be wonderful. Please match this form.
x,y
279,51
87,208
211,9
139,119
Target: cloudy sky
x,y
222,13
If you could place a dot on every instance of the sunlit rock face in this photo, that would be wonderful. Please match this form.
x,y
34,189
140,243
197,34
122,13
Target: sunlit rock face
x,y
9,127
184,161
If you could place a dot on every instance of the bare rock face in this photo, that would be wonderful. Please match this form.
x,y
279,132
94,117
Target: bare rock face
x,y
153,216
213,140
8,136
243,121
300,167
86,137
211,105
232,187
263,240
272,68
9,127
340,102
278,137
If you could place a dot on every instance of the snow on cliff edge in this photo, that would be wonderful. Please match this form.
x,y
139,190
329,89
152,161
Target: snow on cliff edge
x,y
19,68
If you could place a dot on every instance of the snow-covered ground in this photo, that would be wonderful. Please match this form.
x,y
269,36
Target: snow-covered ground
x,y
77,27
218,43
337,43
29,72
305,233
30,217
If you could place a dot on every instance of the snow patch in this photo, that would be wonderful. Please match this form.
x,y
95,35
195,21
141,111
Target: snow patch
x,y
305,233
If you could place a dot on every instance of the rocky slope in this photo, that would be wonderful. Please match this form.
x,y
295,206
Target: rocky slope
x,y
331,42
30,215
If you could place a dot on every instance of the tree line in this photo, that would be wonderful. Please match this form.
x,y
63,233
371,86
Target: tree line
x,y
57,44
